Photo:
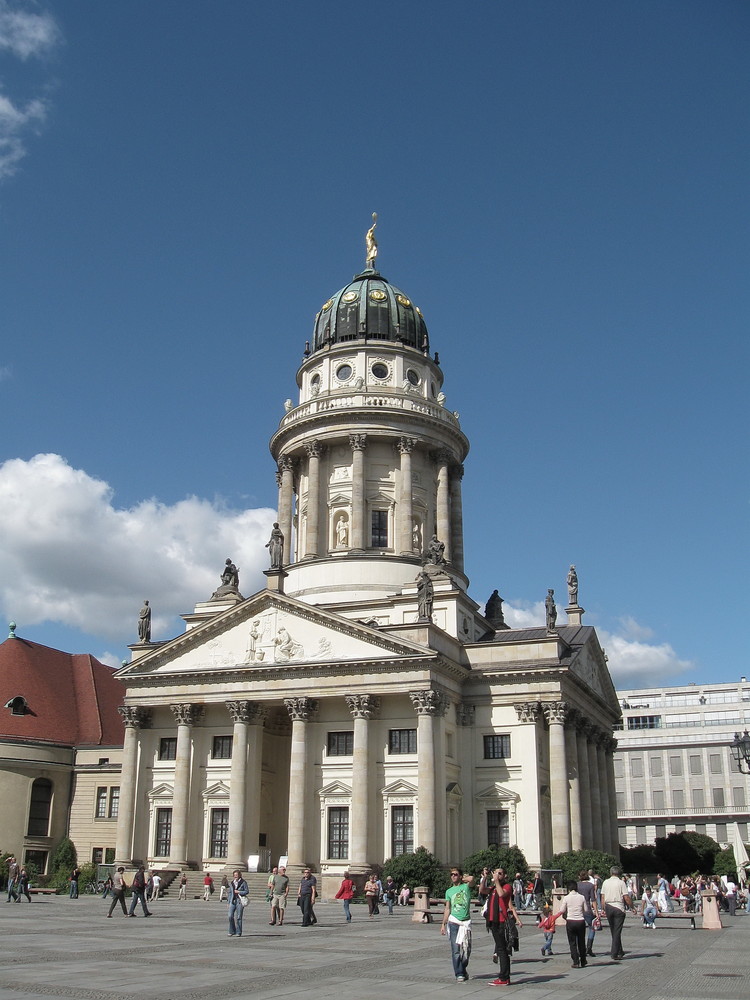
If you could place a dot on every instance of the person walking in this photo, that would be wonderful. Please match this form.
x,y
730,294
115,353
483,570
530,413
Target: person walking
x,y
345,894
182,894
593,920
155,887
13,873
371,895
500,911
119,885
237,899
616,901
138,893
23,885
574,907
306,897
279,888
457,924
390,891
208,887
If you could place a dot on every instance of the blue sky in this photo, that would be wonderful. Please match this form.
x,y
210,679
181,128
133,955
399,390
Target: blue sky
x,y
561,187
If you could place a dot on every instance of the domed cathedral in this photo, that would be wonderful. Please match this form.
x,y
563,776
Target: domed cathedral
x,y
363,704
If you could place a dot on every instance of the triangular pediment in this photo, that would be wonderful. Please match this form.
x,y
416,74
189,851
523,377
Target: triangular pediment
x,y
219,790
335,788
590,665
162,791
271,630
399,787
495,792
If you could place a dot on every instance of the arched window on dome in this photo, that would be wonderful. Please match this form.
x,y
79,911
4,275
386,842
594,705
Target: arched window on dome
x,y
17,705
39,808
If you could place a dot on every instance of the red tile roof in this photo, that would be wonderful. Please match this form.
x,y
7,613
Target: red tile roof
x,y
71,698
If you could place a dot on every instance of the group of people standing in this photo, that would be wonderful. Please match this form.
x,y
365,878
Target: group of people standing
x,y
18,882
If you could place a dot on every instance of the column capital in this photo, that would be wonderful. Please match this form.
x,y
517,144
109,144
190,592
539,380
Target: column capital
x,y
458,470
406,445
527,711
572,716
187,715
286,463
246,711
301,709
555,712
610,745
135,717
442,456
314,448
429,702
464,714
358,442
363,706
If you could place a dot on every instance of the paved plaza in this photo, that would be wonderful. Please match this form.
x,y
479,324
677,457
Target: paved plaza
x,y
56,947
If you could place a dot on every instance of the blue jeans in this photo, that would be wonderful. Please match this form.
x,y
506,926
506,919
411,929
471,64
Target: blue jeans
x,y
306,900
389,903
235,916
73,889
649,915
459,965
548,939
138,894
347,911
590,932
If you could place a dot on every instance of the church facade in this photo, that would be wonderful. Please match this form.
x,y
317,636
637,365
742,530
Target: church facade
x,y
362,704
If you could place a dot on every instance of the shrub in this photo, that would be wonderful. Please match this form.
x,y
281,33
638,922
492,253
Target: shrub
x,y
419,868
572,863
641,859
512,859
64,858
725,863
680,853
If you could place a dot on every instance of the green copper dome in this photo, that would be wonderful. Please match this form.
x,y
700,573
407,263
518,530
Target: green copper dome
x,y
370,308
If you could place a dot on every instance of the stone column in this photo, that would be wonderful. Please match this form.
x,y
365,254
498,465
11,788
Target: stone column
x,y
300,710
429,706
312,534
584,784
186,717
443,504
574,779
596,802
242,842
554,713
614,829
286,505
133,718
363,707
358,444
406,508
457,518
601,742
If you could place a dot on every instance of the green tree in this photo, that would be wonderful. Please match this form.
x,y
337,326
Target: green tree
x,y
512,859
572,863
639,860
419,868
684,853
65,857
725,863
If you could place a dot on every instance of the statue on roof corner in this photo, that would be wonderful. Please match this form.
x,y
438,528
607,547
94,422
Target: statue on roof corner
x,y
425,597
230,584
493,610
275,546
551,610
371,243
572,587
144,623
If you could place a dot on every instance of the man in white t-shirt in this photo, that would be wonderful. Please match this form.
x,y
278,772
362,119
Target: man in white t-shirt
x,y
616,900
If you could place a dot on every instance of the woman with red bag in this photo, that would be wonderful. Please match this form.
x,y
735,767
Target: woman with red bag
x,y
501,918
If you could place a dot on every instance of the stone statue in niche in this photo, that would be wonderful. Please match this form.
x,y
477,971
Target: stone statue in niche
x,y
416,537
342,532
144,623
550,610
275,546
425,596
436,551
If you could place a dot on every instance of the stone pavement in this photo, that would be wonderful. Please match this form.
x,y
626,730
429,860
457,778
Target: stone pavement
x,y
57,947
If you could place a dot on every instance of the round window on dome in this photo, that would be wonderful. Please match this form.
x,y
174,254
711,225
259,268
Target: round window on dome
x,y
379,370
315,380
413,376
344,373
349,296
378,295
403,300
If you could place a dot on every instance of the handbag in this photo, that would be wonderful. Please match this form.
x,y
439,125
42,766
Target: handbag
x,y
244,901
597,924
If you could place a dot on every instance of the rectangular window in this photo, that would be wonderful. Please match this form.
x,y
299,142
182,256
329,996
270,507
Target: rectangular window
x,y
101,803
657,767
222,750
661,831
163,833
721,833
738,797
718,794
636,767
168,748
109,855
699,799
659,800
219,833
497,747
696,764
678,798
114,802
644,722
38,859
619,770
402,830
620,800
97,855
340,745
714,763
639,801
380,529
338,832
675,765
402,741
498,828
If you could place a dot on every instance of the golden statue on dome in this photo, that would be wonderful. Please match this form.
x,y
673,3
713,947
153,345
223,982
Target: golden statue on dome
x,y
371,244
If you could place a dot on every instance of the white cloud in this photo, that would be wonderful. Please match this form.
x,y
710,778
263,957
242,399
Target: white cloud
x,y
70,556
25,33
631,629
15,122
637,664
525,616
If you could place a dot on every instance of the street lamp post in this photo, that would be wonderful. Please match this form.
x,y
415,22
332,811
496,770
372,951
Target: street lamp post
x,y
741,751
